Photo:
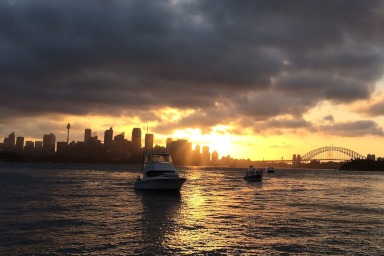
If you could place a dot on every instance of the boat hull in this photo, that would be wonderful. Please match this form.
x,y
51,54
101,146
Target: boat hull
x,y
160,184
254,178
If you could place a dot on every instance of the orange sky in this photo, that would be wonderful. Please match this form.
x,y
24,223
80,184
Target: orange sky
x,y
250,79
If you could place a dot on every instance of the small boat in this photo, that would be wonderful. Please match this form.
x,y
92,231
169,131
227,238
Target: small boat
x,y
159,174
254,174
270,169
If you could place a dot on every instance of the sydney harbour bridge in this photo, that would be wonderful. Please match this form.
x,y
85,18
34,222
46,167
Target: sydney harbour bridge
x,y
330,153
324,154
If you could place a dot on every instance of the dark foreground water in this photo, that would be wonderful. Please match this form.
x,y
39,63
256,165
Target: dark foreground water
x,y
52,209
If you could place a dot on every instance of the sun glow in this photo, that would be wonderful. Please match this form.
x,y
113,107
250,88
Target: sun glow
x,y
219,139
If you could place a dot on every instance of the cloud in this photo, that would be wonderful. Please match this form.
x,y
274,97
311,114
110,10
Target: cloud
x,y
353,129
372,108
258,59
329,118
323,87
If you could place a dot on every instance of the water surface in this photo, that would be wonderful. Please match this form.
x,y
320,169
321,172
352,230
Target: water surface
x,y
52,209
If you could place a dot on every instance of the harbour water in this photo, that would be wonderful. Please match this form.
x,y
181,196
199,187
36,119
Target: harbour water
x,y
56,209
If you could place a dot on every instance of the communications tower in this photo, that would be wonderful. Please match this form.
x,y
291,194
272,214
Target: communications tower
x,y
68,127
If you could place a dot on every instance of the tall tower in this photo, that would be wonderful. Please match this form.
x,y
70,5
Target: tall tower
x,y
206,155
149,141
87,135
49,141
108,139
20,144
136,138
68,127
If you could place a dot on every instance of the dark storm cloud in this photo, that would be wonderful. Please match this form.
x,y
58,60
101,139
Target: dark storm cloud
x,y
321,86
260,58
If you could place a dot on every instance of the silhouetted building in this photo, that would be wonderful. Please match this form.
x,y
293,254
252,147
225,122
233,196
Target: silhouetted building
x,y
93,147
9,142
371,157
196,156
20,144
77,149
215,158
206,156
181,151
108,139
168,145
38,144
12,139
149,142
62,148
294,161
87,135
49,144
136,138
118,144
29,146
6,143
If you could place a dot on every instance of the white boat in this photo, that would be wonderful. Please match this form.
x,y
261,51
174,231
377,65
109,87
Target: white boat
x,y
159,174
254,174
270,169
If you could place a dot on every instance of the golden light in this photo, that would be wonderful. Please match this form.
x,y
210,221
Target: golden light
x,y
219,139
170,115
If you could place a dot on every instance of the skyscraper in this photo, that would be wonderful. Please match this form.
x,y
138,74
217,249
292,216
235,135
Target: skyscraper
x,y
181,151
9,142
49,141
149,141
20,144
215,157
206,156
136,139
108,139
87,135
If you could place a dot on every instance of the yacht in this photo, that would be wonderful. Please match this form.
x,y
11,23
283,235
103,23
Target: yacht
x,y
270,169
159,174
254,174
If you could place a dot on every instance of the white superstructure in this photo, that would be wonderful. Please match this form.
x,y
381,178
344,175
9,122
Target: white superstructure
x,y
159,173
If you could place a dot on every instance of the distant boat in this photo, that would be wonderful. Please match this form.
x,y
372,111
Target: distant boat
x,y
159,174
254,174
270,169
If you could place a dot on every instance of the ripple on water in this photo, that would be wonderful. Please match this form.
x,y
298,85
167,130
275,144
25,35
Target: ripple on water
x,y
97,212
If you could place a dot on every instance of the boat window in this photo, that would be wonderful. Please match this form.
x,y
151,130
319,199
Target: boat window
x,y
159,158
158,173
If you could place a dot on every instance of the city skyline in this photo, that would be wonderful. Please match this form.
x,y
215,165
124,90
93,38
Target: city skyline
x,y
250,79
20,144
137,139
111,149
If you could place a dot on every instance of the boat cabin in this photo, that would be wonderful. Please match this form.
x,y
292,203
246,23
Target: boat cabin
x,y
158,158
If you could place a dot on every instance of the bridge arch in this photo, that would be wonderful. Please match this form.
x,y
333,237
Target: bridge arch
x,y
313,153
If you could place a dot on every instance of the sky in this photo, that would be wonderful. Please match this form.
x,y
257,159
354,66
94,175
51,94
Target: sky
x,y
250,79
